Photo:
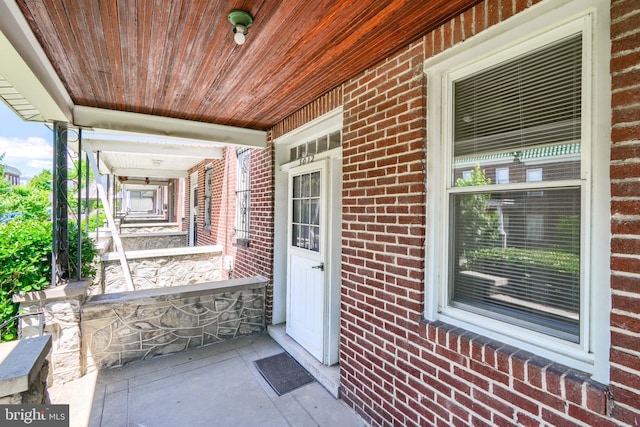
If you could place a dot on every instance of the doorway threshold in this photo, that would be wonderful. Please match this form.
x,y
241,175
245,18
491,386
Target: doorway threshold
x,y
327,376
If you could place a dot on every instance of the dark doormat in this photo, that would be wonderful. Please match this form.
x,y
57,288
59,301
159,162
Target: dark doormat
x,y
283,373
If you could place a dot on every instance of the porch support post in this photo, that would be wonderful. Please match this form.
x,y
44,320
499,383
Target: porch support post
x,y
60,213
87,203
79,220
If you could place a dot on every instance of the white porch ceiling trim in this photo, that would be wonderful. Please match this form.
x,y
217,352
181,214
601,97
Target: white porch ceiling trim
x,y
98,118
169,148
30,85
156,173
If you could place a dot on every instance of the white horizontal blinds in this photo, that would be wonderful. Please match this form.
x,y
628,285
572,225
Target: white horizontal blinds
x,y
516,257
515,253
531,100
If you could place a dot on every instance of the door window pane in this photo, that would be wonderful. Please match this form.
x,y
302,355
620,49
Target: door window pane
x,y
306,206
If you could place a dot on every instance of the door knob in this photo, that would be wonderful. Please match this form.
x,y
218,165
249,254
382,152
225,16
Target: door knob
x,y
319,267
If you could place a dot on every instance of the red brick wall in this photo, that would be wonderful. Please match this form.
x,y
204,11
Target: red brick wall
x,y
329,101
256,258
399,370
625,227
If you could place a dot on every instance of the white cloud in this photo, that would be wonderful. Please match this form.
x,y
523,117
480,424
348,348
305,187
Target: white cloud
x,y
30,148
30,155
40,164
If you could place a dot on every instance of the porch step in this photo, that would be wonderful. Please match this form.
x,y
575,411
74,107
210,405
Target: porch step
x,y
327,376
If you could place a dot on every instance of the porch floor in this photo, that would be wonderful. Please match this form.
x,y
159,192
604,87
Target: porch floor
x,y
214,385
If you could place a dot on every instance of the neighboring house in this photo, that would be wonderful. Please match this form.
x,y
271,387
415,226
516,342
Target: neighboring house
x,y
510,302
231,205
12,174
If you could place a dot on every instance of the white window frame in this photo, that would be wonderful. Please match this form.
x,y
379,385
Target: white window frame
x,y
541,24
502,171
534,174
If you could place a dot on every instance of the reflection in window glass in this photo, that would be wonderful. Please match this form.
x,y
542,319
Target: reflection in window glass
x,y
534,175
502,175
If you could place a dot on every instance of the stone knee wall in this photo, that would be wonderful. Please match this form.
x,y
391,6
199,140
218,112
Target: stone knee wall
x,y
61,307
162,268
119,328
146,241
144,227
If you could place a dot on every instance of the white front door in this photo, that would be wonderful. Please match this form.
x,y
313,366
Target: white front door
x,y
306,257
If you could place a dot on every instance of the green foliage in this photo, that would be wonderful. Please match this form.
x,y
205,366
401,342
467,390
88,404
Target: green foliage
x,y
569,228
89,252
479,223
552,260
26,245
42,181
549,277
25,264
32,200
96,222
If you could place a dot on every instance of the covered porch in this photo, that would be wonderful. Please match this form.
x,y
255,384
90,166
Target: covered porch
x,y
206,386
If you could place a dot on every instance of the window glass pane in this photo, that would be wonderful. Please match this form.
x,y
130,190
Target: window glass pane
x,y
304,185
311,147
322,144
554,163
295,235
335,140
314,239
516,258
306,211
534,175
502,175
296,211
523,112
525,102
304,236
304,218
315,212
314,190
296,187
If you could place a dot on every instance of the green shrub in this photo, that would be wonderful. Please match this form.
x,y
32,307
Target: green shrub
x,y
89,253
536,275
25,263
553,260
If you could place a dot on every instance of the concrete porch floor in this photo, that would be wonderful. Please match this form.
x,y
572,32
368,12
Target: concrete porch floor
x,y
217,385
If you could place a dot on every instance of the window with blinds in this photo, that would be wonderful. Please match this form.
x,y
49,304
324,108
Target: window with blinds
x,y
243,196
515,191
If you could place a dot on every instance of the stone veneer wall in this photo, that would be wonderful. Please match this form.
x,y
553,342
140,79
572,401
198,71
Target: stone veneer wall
x,y
146,241
61,307
149,228
158,268
118,328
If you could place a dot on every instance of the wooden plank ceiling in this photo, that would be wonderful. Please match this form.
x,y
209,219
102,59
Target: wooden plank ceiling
x,y
178,58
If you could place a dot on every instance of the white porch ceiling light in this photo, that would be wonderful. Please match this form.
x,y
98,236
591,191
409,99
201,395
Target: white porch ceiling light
x,y
241,22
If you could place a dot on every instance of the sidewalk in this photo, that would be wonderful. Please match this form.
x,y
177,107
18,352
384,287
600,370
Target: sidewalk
x,y
216,385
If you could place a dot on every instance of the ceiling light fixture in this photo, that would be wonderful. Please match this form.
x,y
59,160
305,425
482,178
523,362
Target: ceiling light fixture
x,y
241,22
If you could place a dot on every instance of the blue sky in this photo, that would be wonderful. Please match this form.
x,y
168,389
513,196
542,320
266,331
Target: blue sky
x,y
27,146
